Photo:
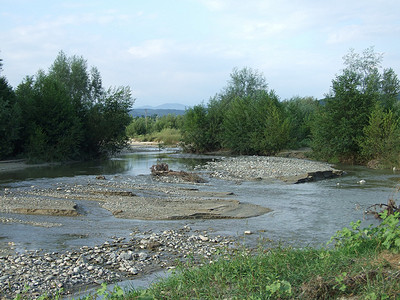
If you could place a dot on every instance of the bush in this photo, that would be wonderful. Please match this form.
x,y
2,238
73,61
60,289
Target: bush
x,y
381,139
168,136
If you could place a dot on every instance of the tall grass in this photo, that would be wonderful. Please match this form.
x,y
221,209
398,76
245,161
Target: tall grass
x,y
167,136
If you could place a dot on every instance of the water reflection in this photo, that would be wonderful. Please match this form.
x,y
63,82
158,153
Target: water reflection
x,y
137,163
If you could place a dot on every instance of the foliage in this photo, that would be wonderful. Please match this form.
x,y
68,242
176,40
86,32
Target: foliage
x,y
196,129
245,118
148,125
339,124
300,112
386,235
168,136
256,125
9,119
381,137
68,115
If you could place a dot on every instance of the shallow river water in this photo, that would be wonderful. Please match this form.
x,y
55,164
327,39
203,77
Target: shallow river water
x,y
305,214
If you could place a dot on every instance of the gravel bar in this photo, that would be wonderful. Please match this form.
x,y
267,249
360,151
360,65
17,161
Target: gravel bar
x,y
34,273
265,167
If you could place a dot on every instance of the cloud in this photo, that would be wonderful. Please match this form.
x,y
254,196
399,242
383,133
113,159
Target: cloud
x,y
150,48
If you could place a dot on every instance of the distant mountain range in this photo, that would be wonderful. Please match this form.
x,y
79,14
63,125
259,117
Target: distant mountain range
x,y
160,110
175,106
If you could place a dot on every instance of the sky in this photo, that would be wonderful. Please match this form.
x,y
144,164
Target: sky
x,y
183,51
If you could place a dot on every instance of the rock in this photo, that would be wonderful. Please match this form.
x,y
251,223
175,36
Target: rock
x,y
133,271
203,238
143,256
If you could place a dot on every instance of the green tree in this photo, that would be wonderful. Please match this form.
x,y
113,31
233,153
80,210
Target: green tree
x,y
116,105
239,126
69,115
137,127
273,131
382,137
9,119
54,131
209,122
300,112
339,125
196,130
256,125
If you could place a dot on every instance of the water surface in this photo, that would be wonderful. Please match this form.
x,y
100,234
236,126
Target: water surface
x,y
303,214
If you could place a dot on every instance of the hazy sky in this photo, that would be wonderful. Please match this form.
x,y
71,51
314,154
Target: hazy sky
x,y
182,51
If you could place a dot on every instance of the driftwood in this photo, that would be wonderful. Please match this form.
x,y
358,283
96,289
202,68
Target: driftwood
x,y
162,169
377,209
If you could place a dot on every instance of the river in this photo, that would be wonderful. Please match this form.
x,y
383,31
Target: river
x,y
303,214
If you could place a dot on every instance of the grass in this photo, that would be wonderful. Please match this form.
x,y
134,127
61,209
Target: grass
x,y
358,264
167,136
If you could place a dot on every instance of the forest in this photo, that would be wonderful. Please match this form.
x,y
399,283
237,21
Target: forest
x,y
66,114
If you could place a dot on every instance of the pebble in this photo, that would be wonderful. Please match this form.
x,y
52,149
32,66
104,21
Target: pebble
x,y
112,261
262,167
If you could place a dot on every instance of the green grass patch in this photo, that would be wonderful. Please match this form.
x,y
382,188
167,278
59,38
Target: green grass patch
x,y
167,136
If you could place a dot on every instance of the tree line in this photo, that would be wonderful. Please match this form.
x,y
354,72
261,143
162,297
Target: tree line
x,y
357,121
66,114
63,114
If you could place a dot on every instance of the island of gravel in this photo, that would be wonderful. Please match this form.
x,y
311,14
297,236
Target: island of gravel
x,y
117,260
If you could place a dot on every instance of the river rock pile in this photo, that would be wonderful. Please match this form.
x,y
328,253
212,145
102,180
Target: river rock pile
x,y
264,167
35,273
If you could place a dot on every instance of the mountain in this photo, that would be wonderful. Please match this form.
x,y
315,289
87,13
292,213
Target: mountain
x,y
160,110
174,106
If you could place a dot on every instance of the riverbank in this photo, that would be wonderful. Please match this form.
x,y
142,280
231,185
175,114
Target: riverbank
x,y
149,198
113,261
17,164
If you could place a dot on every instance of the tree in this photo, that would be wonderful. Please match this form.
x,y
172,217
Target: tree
x,y
382,137
300,112
243,83
239,127
196,130
256,125
273,130
339,125
69,115
54,131
245,118
9,119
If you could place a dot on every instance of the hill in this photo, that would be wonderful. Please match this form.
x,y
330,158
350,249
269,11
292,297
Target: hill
x,y
142,112
160,110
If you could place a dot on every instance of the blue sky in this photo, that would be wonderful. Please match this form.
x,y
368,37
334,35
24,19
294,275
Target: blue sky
x,y
182,51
